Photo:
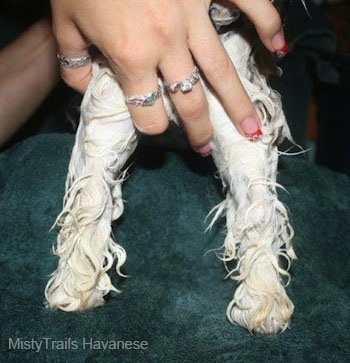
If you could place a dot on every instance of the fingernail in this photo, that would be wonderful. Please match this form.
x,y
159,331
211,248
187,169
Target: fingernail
x,y
255,136
279,44
206,150
251,128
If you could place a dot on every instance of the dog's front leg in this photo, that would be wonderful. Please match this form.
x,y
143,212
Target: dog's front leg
x,y
258,229
258,233
105,140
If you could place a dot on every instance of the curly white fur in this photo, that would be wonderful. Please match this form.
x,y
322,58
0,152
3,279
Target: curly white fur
x,y
105,140
258,229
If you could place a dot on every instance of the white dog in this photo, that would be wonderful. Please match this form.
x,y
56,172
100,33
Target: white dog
x,y
258,229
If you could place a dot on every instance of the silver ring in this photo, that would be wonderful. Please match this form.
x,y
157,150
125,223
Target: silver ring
x,y
186,85
144,101
75,62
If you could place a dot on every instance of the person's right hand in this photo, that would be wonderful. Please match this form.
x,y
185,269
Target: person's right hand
x,y
144,39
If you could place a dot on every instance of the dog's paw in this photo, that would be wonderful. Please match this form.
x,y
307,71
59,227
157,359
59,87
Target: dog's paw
x,y
258,320
60,295
260,303
59,300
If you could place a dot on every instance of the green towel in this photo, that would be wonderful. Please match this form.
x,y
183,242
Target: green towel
x,y
175,298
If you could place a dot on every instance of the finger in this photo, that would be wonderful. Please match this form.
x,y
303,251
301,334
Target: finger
x,y
267,22
148,119
72,44
191,106
221,74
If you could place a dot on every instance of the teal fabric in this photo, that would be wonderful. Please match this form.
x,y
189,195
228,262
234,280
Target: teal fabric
x,y
175,297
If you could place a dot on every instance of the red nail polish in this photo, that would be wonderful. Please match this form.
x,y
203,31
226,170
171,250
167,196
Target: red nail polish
x,y
255,136
282,51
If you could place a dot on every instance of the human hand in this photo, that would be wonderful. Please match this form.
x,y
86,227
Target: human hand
x,y
28,73
144,38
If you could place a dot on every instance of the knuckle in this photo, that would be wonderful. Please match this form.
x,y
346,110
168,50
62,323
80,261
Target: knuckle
x,y
78,82
195,109
167,28
155,128
221,67
131,58
166,31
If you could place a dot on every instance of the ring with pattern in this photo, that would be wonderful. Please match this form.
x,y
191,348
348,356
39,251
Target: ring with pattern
x,y
186,85
144,101
74,62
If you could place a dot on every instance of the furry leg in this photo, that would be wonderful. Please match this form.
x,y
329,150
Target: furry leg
x,y
258,233
258,229
105,140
